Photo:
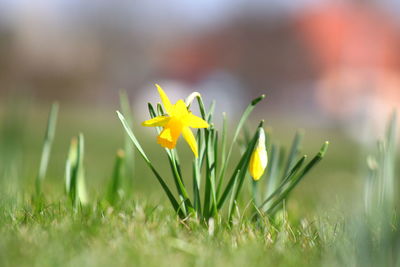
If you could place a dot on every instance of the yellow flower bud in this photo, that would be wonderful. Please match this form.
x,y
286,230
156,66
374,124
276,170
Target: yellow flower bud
x,y
259,157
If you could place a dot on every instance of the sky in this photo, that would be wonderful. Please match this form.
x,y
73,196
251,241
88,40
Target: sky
x,y
195,13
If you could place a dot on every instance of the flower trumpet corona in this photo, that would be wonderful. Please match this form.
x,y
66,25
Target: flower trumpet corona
x,y
177,121
259,157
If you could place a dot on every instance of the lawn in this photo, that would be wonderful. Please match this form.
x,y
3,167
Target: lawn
x,y
323,223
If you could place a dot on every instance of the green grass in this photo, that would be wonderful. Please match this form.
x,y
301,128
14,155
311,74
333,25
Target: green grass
x,y
141,234
315,228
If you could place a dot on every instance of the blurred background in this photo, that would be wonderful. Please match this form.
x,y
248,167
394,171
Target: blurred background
x,y
331,67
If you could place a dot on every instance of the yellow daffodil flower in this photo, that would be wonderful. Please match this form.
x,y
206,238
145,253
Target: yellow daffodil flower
x,y
259,158
177,121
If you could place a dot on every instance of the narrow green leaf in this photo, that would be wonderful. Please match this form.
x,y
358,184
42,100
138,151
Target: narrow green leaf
x,y
210,199
288,178
293,183
232,202
294,151
147,160
69,168
74,173
201,107
47,144
240,169
255,192
389,162
197,165
273,170
175,168
160,109
115,190
209,172
82,196
178,178
129,158
196,187
242,120
132,137
244,168
211,112
223,151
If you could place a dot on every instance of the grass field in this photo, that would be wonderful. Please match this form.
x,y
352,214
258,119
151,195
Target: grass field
x,y
322,224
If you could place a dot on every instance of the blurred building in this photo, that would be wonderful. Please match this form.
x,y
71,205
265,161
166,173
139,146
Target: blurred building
x,y
356,48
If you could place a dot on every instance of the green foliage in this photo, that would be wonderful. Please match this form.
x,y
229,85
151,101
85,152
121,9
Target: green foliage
x,y
283,178
164,186
121,231
207,140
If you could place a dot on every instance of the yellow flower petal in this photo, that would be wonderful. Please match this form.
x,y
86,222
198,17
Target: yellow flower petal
x,y
179,109
165,139
178,121
190,139
196,122
165,100
157,121
170,134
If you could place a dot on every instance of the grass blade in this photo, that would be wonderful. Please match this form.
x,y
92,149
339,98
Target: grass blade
x,y
294,152
290,175
243,170
80,172
74,173
175,167
115,189
197,165
223,151
242,120
129,152
210,198
388,175
273,170
240,169
139,148
69,168
300,176
211,111
48,141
